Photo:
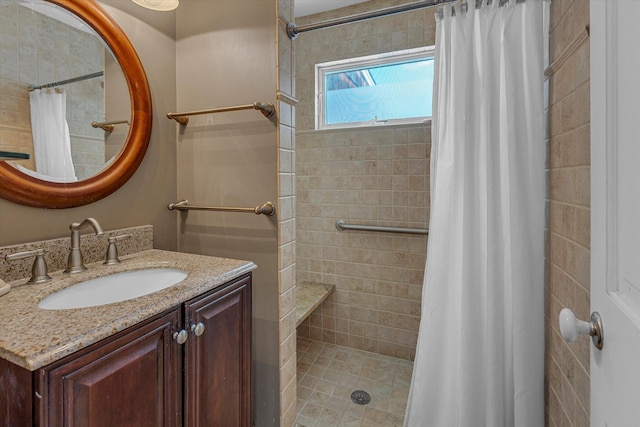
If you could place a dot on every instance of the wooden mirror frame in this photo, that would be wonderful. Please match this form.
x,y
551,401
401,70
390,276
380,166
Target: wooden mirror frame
x,y
26,190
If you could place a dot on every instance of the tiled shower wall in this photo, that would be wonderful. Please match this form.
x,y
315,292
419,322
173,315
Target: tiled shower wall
x,y
35,50
286,218
374,176
568,237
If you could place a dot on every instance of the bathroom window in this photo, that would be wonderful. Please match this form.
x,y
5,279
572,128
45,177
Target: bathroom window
x,y
390,88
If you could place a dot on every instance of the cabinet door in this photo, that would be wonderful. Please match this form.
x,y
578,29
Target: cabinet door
x,y
132,379
218,362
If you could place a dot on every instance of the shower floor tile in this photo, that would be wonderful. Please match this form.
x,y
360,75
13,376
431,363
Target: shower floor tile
x,y
328,374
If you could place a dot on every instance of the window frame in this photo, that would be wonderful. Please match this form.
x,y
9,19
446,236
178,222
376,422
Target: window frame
x,y
387,58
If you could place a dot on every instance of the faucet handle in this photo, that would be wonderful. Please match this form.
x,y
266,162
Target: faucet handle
x,y
112,250
39,272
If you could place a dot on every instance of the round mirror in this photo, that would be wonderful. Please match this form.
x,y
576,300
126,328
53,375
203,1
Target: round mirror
x,y
78,103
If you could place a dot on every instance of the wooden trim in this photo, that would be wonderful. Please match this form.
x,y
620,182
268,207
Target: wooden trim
x,y
23,189
17,399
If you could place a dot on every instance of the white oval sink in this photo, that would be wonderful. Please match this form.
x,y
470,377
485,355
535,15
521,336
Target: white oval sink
x,y
113,288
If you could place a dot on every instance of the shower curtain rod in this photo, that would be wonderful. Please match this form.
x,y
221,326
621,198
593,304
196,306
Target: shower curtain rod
x,y
64,82
293,30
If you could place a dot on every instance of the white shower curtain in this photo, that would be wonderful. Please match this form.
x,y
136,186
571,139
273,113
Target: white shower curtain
x,y
51,141
480,352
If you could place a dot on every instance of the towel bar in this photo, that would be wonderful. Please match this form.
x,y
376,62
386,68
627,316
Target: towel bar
x,y
266,208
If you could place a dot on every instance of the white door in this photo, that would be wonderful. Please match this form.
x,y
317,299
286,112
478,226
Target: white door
x,y
615,210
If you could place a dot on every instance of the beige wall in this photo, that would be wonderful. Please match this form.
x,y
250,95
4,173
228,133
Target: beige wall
x,y
376,176
143,199
226,56
568,237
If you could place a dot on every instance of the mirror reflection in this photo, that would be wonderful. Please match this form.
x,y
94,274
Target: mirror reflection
x,y
57,78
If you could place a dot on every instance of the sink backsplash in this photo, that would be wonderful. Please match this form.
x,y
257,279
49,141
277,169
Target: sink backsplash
x,y
94,249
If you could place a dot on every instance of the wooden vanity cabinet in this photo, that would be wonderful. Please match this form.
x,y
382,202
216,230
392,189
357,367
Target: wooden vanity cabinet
x,y
131,380
217,388
144,377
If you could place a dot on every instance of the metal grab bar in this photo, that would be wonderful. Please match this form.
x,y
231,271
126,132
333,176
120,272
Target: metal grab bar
x,y
267,109
266,208
342,226
108,126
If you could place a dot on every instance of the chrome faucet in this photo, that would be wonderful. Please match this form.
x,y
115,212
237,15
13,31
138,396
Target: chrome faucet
x,y
75,264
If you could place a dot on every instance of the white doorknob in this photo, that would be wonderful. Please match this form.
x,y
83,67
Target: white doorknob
x,y
570,327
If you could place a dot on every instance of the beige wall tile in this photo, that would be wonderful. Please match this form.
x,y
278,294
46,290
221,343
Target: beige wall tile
x,y
568,237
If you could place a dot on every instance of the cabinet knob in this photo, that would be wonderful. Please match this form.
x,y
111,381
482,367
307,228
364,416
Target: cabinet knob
x,y
198,329
181,336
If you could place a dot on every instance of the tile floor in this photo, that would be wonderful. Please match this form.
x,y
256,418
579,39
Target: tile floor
x,y
328,374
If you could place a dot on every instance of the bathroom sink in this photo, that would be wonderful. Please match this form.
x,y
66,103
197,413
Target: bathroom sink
x,y
113,288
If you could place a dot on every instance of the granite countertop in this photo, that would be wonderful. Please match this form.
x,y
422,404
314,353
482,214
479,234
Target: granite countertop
x,y
32,337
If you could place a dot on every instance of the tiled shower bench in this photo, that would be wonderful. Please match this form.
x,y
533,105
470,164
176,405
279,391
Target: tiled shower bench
x,y
309,295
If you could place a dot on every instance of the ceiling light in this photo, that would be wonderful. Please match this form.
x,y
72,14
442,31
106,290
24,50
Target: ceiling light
x,y
162,5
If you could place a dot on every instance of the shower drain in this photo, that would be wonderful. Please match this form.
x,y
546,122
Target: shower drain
x,y
360,397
